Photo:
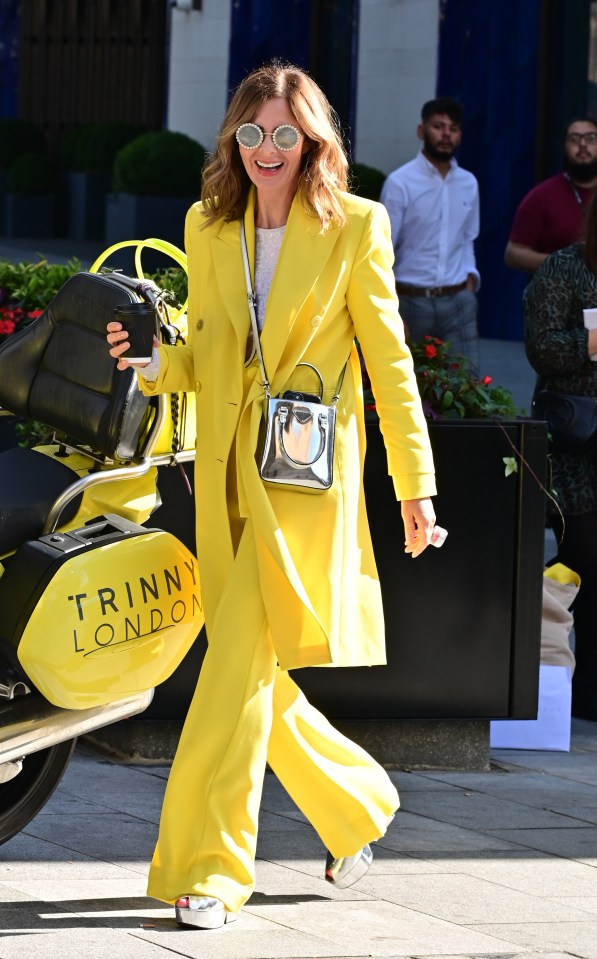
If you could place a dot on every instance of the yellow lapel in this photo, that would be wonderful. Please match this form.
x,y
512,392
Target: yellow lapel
x,y
303,256
230,275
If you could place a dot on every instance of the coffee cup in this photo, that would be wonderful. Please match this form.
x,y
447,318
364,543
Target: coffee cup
x,y
590,320
140,322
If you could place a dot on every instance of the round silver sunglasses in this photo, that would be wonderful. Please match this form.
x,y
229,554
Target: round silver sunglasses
x,y
285,137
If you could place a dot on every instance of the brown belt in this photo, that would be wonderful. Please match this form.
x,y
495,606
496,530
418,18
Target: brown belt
x,y
429,291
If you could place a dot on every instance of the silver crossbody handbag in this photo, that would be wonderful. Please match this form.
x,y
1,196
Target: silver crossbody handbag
x,y
298,447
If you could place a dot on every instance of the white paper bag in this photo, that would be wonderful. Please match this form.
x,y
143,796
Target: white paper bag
x,y
551,729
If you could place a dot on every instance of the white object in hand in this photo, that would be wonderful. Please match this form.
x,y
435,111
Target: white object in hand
x,y
590,319
438,536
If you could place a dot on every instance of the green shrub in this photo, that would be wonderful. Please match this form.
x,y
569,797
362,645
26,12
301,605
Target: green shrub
x,y
160,164
174,279
32,173
92,147
365,181
31,286
17,137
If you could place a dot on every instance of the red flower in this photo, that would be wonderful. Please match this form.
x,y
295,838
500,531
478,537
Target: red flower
x,y
430,351
33,314
7,326
486,380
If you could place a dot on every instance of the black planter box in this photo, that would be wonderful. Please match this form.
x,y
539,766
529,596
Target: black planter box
x,y
29,214
131,217
463,623
87,205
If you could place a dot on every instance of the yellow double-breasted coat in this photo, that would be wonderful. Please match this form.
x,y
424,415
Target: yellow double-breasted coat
x,y
316,567
296,584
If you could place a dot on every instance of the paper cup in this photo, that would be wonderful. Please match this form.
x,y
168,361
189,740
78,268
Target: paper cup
x,y
140,322
590,319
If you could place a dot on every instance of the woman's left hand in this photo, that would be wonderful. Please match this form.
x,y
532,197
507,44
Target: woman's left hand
x,y
418,516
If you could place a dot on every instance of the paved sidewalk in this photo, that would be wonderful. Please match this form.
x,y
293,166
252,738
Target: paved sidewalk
x,y
496,864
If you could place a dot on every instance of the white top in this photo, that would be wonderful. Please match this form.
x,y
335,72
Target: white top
x,y
434,221
267,251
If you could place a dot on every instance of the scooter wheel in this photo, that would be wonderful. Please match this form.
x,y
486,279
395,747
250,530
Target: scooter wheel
x,y
22,797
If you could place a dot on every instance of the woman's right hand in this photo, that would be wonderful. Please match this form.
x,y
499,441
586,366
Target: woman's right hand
x,y
118,339
592,343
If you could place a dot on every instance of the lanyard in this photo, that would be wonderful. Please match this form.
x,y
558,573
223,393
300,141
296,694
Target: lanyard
x,y
575,192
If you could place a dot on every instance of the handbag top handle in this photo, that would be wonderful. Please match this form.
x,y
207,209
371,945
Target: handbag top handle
x,y
252,301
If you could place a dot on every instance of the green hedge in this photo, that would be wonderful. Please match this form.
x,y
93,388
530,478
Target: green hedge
x,y
93,147
17,137
32,285
160,164
32,173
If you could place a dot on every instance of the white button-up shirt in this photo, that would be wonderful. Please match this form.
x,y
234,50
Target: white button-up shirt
x,y
434,222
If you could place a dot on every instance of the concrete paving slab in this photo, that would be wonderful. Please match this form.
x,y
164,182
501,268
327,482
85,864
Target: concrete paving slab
x,y
578,766
289,823
537,789
81,890
584,903
526,870
385,929
410,781
27,857
416,835
274,880
130,838
69,943
583,735
473,810
578,939
291,846
249,937
466,899
519,955
579,844
11,894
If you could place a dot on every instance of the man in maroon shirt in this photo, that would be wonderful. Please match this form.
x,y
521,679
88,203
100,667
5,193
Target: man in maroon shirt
x,y
552,214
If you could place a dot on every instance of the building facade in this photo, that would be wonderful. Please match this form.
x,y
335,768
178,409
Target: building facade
x,y
520,67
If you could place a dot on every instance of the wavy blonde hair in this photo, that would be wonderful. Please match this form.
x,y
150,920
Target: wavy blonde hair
x,y
324,165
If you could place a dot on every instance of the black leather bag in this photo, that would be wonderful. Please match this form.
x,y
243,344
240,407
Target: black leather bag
x,y
571,420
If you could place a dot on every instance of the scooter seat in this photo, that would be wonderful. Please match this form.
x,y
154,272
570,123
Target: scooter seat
x,y
30,482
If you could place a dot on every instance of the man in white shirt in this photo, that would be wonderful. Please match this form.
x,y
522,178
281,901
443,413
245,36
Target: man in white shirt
x,y
433,206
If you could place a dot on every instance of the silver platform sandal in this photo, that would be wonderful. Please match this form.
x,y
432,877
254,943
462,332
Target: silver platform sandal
x,y
347,870
202,912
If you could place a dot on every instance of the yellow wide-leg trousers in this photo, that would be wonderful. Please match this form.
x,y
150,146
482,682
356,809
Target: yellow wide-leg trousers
x,y
247,711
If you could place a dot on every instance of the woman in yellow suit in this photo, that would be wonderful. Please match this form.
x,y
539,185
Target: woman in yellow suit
x,y
288,579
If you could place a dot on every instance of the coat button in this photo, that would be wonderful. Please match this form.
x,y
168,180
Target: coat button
x,y
316,321
199,324
197,386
